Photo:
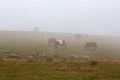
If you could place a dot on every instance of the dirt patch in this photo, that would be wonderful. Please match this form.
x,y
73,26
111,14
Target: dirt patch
x,y
63,68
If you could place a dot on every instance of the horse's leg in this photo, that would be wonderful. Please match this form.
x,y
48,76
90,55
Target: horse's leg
x,y
64,45
56,47
61,46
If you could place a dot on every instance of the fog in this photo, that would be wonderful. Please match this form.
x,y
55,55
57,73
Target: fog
x,y
100,17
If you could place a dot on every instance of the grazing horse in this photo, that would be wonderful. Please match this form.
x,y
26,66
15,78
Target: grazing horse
x,y
60,44
90,46
57,43
77,36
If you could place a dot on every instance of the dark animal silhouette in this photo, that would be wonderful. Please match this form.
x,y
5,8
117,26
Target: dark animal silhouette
x,y
77,36
92,46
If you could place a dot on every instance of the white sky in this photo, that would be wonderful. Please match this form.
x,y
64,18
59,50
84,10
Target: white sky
x,y
100,17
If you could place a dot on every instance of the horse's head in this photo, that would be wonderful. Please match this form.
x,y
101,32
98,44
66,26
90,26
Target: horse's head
x,y
52,40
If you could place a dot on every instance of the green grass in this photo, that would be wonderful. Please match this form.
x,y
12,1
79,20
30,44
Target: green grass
x,y
41,70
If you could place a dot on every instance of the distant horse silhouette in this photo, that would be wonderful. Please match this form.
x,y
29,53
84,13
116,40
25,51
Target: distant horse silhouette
x,y
57,43
90,46
52,42
77,36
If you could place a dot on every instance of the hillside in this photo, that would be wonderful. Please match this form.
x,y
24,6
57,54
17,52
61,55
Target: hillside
x,y
26,42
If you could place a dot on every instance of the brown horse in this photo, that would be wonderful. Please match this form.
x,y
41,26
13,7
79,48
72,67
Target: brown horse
x,y
51,41
90,46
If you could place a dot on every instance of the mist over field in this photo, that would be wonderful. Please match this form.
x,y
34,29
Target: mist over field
x,y
99,17
27,25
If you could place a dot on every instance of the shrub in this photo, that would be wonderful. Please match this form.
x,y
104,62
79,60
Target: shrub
x,y
94,62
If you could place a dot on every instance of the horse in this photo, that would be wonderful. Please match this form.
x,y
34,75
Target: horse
x,y
77,36
57,43
90,46
60,44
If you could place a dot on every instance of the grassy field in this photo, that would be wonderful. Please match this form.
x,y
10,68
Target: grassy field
x,y
25,43
41,70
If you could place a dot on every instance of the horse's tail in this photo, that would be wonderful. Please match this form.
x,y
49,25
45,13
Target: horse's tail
x,y
64,44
